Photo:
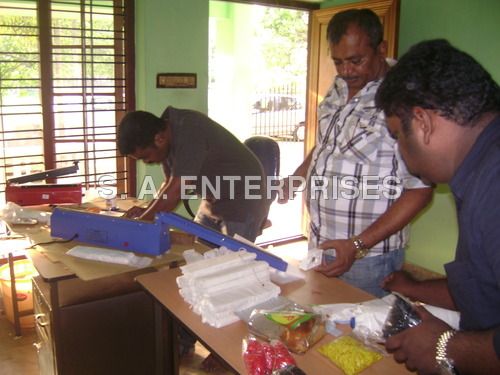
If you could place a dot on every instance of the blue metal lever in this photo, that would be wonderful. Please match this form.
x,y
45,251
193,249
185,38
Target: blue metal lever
x,y
208,234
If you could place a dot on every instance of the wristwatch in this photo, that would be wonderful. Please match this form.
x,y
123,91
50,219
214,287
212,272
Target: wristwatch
x,y
361,249
445,364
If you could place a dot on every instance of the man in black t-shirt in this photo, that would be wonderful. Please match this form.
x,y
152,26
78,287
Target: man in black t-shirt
x,y
198,153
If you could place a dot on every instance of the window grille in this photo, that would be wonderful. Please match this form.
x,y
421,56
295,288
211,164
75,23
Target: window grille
x,y
66,80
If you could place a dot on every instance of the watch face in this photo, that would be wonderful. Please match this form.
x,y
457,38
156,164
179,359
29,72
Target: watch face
x,y
361,253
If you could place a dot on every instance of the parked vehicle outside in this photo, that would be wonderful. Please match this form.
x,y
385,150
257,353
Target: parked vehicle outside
x,y
280,116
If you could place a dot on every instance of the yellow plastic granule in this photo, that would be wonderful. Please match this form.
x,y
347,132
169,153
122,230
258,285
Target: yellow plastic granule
x,y
349,354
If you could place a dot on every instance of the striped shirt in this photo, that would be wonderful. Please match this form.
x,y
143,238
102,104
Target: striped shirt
x,y
356,172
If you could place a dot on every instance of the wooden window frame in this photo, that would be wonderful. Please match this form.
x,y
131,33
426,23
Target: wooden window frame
x,y
121,42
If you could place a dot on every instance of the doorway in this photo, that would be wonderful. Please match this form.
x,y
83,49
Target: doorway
x,y
257,86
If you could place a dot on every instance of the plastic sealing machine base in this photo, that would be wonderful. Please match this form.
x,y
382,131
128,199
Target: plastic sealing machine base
x,y
36,194
102,230
151,238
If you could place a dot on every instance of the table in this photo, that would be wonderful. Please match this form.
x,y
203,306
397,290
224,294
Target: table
x,y
171,311
92,317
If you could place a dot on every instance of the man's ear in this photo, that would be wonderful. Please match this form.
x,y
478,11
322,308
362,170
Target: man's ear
x,y
382,49
160,139
422,124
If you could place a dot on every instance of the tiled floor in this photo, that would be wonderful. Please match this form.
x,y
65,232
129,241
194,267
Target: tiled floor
x,y
18,354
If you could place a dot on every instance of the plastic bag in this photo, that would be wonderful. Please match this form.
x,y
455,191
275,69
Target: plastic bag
x,y
402,315
15,214
298,328
349,354
262,358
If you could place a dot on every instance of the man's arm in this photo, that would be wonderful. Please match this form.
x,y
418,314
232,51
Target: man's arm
x,y
301,171
470,352
168,198
433,292
474,353
399,214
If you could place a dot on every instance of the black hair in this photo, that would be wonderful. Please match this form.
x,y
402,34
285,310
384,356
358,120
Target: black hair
x,y
366,19
137,130
435,75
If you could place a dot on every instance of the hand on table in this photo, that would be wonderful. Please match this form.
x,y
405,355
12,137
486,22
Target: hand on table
x,y
416,346
345,257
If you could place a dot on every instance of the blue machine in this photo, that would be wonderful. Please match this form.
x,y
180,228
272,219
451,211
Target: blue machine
x,y
142,236
220,239
117,232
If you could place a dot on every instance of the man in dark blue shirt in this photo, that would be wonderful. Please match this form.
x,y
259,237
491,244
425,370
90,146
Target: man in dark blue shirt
x,y
444,110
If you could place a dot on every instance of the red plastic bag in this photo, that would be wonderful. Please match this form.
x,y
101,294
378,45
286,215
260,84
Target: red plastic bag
x,y
262,358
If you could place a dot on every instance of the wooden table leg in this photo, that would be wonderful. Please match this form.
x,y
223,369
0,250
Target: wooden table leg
x,y
15,307
167,346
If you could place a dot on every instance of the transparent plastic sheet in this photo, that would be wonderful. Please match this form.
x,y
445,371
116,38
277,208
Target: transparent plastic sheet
x,y
402,315
15,214
349,354
366,319
297,327
266,358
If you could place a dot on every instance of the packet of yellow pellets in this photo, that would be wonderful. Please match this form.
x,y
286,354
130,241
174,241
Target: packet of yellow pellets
x,y
349,354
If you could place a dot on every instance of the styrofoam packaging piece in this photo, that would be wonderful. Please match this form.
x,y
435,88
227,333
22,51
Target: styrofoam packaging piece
x,y
191,256
210,265
192,293
225,282
248,270
214,278
219,320
242,298
238,298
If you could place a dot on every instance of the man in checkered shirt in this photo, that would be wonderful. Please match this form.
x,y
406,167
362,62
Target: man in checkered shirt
x,y
359,193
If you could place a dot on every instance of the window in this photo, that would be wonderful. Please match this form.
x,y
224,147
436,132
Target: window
x,y
66,80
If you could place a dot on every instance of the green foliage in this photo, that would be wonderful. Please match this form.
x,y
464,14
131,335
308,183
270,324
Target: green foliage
x,y
19,51
285,41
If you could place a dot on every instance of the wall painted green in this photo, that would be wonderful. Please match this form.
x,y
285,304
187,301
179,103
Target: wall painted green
x,y
471,25
171,37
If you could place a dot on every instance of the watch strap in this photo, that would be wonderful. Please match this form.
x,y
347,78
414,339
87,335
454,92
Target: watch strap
x,y
359,245
446,364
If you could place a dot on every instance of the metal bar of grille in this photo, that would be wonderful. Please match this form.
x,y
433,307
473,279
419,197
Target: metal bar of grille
x,y
93,96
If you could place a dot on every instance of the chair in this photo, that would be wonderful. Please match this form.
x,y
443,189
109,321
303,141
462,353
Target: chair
x,y
267,151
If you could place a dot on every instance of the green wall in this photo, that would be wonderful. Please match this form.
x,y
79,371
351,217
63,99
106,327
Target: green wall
x,y
171,36
471,25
